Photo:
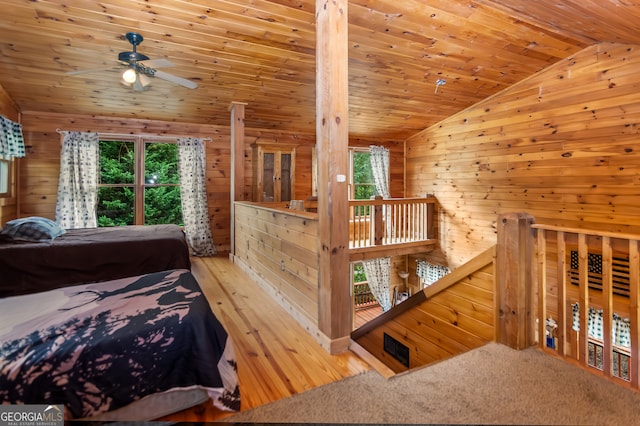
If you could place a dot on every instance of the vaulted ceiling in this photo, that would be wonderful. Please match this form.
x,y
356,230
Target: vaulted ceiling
x,y
262,53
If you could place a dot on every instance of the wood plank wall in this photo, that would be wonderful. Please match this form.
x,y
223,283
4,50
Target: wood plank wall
x,y
451,321
280,249
561,145
39,170
9,205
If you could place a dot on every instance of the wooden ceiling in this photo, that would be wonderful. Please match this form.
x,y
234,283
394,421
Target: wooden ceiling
x,y
262,52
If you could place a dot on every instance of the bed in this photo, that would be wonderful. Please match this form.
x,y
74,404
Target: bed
x,y
105,347
90,255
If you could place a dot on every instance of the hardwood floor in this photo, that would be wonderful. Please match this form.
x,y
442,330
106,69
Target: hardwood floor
x,y
276,357
363,316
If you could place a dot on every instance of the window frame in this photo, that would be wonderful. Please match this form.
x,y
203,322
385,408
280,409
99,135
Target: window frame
x,y
139,184
352,186
6,176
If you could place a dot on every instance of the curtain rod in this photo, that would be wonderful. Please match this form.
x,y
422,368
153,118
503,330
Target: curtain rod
x,y
141,135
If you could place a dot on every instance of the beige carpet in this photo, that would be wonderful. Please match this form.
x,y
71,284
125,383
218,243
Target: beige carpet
x,y
490,385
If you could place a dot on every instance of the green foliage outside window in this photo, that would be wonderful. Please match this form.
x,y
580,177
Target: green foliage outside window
x,y
358,273
364,185
162,205
117,162
115,206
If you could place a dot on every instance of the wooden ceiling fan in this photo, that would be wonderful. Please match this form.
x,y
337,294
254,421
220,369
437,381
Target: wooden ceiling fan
x,y
139,68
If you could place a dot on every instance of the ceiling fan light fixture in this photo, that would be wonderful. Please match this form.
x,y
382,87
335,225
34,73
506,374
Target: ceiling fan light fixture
x,y
144,80
129,76
140,69
141,83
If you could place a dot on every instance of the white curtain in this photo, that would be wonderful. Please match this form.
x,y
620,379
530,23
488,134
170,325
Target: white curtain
x,y
620,330
11,139
195,211
430,273
377,272
78,181
379,157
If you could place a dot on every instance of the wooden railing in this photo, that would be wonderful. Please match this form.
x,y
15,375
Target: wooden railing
x,y
362,296
390,221
588,279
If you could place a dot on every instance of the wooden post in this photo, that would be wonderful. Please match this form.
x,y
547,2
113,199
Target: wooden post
x,y
332,141
515,290
431,219
634,312
237,162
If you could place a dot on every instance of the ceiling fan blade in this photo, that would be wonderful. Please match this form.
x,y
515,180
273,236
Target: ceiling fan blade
x,y
88,71
157,63
175,79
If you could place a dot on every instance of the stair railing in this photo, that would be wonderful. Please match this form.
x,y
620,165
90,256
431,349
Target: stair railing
x,y
589,299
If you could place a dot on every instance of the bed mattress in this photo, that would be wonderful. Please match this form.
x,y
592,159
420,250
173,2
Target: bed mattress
x,y
99,347
90,255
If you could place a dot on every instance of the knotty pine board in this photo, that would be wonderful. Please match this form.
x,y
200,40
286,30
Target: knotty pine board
x,y
561,146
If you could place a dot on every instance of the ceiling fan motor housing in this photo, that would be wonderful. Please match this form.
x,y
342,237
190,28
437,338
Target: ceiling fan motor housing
x,y
132,57
135,39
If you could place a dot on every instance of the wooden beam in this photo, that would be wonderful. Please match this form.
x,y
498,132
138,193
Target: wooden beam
x,y
332,139
392,250
237,161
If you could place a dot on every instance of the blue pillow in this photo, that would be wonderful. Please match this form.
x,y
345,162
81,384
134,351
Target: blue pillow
x,y
32,229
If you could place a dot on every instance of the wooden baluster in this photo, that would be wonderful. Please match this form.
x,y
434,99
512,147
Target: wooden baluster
x,y
356,221
424,221
541,250
563,324
583,299
607,304
407,222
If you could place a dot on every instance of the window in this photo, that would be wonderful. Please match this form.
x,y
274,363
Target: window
x,y
5,176
361,183
361,186
362,296
139,183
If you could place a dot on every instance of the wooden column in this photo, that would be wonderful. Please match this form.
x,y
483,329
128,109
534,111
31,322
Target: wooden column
x,y
332,141
515,290
237,162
